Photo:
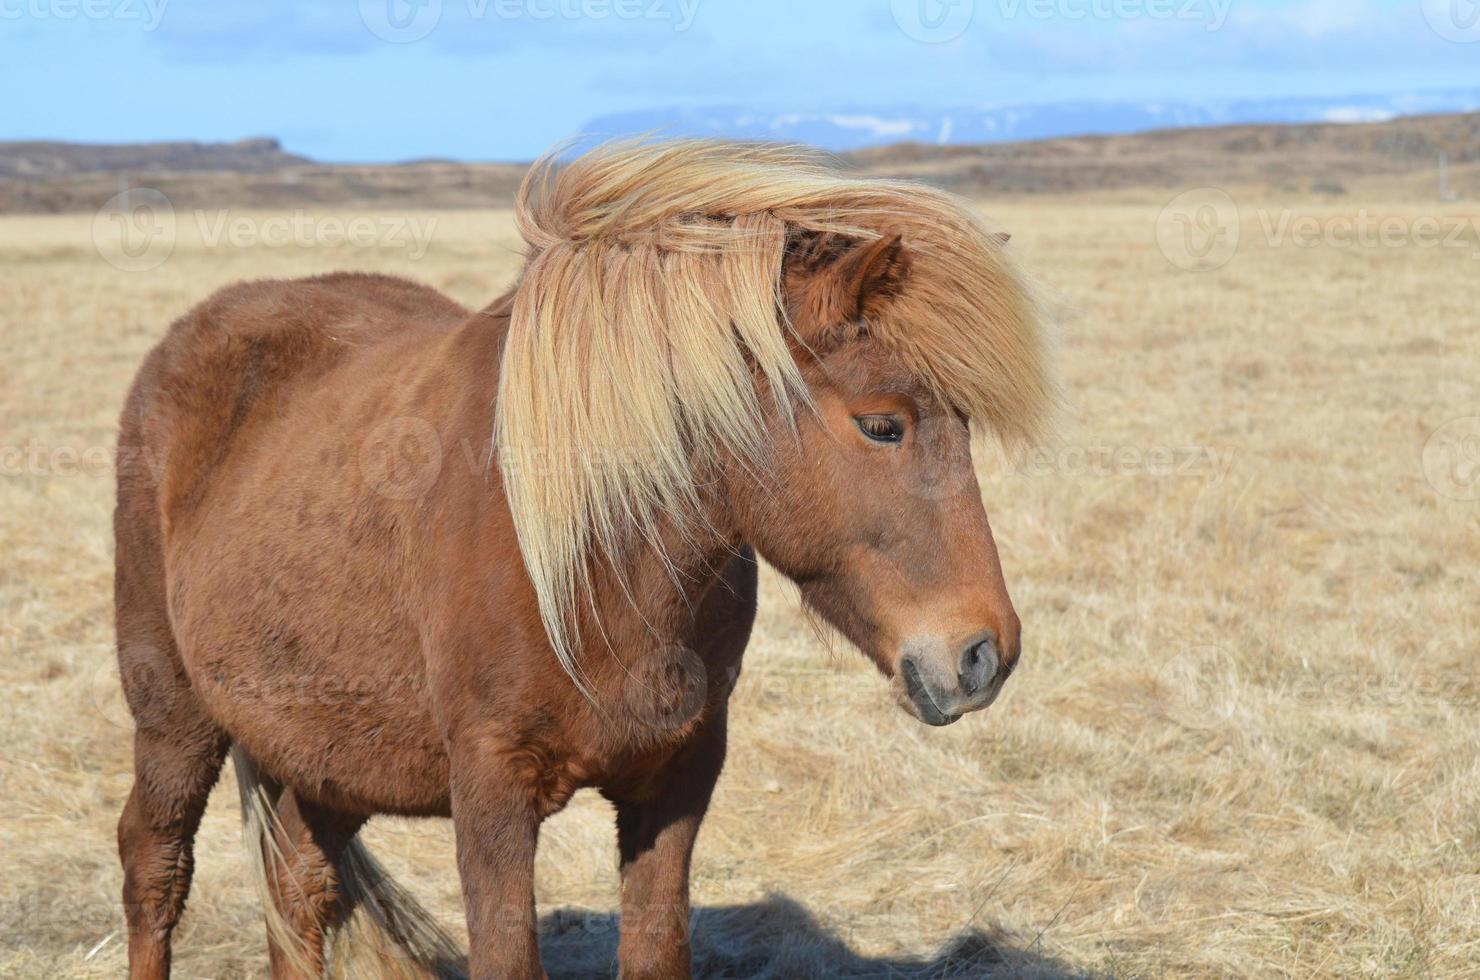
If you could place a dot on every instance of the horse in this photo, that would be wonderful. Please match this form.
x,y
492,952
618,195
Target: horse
x,y
397,556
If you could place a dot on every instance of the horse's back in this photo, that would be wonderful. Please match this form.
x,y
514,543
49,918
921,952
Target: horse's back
x,y
245,350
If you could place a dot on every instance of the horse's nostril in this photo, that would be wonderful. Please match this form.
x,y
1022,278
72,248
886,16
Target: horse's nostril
x,y
978,665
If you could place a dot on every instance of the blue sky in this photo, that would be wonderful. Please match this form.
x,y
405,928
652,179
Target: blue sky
x,y
503,79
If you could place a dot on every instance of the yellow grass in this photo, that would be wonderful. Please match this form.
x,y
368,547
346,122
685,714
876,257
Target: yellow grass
x,y
1244,739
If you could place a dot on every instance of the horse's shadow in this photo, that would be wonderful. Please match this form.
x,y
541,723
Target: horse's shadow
x,y
778,938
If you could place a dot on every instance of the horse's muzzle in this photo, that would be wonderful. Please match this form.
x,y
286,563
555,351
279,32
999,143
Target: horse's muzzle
x,y
939,690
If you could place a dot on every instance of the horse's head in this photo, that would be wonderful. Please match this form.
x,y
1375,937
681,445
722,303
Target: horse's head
x,y
875,511
835,442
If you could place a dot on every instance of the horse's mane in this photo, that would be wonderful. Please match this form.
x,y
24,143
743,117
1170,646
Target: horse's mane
x,y
650,302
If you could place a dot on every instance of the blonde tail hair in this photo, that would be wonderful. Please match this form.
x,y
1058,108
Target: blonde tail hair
x,y
383,932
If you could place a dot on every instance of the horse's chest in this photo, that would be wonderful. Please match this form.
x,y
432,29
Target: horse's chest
x,y
624,757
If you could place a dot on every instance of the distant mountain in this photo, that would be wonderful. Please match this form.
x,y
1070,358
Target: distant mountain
x,y
857,127
38,158
1399,159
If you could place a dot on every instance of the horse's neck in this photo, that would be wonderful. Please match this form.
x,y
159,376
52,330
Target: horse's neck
x,y
500,308
649,601
653,601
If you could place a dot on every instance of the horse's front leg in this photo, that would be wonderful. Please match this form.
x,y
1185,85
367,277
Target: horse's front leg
x,y
655,840
496,825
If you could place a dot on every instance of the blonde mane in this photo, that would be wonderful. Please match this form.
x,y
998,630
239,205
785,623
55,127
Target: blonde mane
x,y
650,304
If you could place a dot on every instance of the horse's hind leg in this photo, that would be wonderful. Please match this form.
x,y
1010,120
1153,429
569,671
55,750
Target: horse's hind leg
x,y
178,753
156,838
302,861
178,749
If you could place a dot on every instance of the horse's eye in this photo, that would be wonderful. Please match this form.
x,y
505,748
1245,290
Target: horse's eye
x,y
881,428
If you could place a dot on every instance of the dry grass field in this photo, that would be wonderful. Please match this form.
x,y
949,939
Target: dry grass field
x,y
1245,736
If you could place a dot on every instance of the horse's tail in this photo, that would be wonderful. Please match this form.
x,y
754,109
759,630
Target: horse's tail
x,y
382,932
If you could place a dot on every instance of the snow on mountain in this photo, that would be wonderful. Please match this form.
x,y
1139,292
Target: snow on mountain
x,y
852,127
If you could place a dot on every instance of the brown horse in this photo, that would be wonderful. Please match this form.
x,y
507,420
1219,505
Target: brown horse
x,y
411,559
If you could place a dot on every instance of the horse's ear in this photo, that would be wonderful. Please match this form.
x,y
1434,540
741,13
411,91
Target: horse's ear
x,y
842,287
874,271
